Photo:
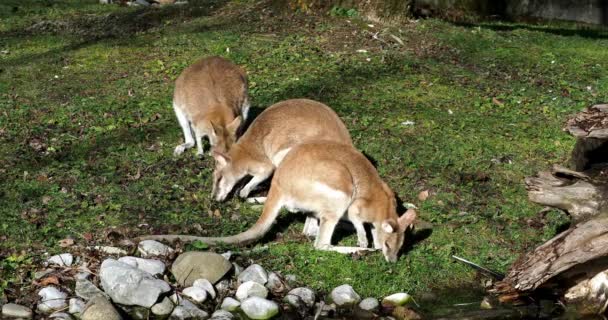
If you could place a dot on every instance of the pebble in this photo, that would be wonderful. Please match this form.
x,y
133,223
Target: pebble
x,y
397,299
275,284
222,315
76,306
187,310
12,310
251,289
223,287
196,294
259,308
99,308
62,260
152,248
193,265
299,296
52,299
163,308
86,290
369,304
345,295
61,316
230,304
254,273
110,250
206,285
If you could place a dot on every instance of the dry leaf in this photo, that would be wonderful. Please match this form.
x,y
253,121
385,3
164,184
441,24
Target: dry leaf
x,y
46,199
217,213
423,195
87,236
136,176
48,281
497,102
66,242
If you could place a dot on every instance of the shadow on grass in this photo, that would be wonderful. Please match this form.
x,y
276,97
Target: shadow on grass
x,y
591,33
119,26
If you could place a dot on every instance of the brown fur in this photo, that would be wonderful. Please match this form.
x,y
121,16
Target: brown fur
x,y
212,94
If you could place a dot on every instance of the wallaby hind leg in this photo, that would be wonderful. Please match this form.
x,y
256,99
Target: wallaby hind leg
x,y
327,226
185,124
199,142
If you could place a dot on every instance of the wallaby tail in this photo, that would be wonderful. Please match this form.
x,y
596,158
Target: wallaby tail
x,y
271,210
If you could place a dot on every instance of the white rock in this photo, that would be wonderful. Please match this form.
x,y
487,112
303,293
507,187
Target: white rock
x,y
109,250
163,308
151,248
11,310
397,299
196,294
130,286
275,283
76,306
230,304
60,316
345,295
251,289
62,260
187,310
369,304
299,296
151,266
205,284
221,315
52,299
254,273
259,308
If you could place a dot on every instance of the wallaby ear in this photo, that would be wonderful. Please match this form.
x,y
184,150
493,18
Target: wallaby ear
x,y
234,125
388,226
221,158
407,219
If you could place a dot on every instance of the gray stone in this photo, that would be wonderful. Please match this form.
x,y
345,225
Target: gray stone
x,y
291,278
194,265
345,295
152,248
52,299
251,289
99,308
222,315
41,274
109,250
196,294
62,260
254,273
187,310
136,312
275,284
206,285
230,304
12,310
87,290
259,308
369,304
163,309
130,286
151,266
301,297
76,306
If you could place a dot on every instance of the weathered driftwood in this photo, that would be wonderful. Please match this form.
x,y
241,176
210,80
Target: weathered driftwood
x,y
578,257
582,194
580,244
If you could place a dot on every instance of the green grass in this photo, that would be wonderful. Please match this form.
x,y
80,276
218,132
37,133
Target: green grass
x,y
85,108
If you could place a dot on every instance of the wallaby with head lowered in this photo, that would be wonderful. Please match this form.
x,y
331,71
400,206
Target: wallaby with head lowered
x,y
210,99
269,138
333,181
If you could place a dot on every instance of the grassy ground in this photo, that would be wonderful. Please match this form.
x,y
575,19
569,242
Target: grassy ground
x,y
87,131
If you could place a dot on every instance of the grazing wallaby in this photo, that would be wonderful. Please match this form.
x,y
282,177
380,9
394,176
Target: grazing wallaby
x,y
269,138
210,99
331,180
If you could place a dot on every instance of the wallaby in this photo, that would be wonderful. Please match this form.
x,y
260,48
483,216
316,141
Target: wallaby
x,y
210,99
269,138
331,180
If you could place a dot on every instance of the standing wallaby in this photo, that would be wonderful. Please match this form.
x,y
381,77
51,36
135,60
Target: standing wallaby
x,y
332,180
269,138
210,99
